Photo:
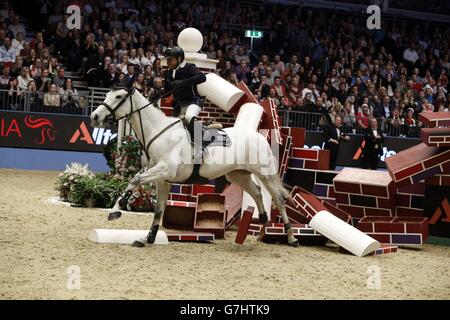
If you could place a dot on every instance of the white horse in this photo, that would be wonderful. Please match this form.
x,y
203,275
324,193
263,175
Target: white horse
x,y
166,144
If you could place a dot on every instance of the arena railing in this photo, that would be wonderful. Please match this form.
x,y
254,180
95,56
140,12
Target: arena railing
x,y
27,101
316,121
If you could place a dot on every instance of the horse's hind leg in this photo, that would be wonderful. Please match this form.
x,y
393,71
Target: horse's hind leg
x,y
243,179
279,195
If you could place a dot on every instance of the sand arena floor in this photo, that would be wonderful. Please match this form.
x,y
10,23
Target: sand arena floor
x,y
39,241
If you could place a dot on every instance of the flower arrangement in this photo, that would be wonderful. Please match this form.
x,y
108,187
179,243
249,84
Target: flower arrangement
x,y
81,186
101,190
128,158
69,177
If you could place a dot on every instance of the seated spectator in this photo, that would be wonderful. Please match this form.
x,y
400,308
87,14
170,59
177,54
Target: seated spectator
x,y
410,126
19,45
59,79
156,90
44,81
294,89
24,78
273,95
7,52
363,117
242,71
348,119
110,77
255,80
33,100
52,98
336,109
395,124
131,74
5,77
311,89
36,68
69,95
14,98
133,58
52,67
15,27
279,88
140,85
308,104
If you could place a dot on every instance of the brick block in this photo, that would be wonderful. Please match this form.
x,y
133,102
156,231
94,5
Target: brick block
x,y
365,182
233,201
297,134
244,225
435,119
180,235
179,215
384,249
435,137
417,163
210,214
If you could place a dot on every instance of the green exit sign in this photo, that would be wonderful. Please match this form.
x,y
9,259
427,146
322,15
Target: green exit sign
x,y
253,34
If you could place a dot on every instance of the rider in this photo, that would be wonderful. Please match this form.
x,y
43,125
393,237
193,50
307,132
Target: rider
x,y
182,78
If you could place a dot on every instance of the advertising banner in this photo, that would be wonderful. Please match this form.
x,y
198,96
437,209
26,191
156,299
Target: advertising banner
x,y
54,132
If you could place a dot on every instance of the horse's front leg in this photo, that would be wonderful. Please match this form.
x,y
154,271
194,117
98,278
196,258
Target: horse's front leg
x,y
162,190
160,170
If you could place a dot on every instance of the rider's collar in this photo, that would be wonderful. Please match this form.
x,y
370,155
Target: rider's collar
x,y
181,65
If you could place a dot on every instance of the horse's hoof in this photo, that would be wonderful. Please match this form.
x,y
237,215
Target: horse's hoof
x,y
114,215
294,244
138,244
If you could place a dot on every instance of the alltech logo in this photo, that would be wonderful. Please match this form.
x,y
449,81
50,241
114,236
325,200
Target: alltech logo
x,y
99,136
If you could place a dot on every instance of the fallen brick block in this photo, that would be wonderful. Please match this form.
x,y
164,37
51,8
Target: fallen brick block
x,y
361,192
384,249
410,200
244,225
306,203
417,163
210,214
179,215
233,201
435,119
364,182
435,137
180,235
285,150
396,231
298,135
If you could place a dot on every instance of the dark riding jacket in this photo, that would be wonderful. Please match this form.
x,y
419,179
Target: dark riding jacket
x,y
187,77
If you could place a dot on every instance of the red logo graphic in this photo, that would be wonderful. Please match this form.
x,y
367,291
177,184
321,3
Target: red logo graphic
x,y
47,130
358,152
86,136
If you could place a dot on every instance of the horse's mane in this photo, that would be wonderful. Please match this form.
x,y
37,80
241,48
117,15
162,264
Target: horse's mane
x,y
124,86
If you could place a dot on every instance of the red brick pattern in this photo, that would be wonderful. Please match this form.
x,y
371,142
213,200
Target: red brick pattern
x,y
435,119
417,163
435,137
244,225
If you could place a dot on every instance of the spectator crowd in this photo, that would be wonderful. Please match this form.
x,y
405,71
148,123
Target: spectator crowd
x,y
316,61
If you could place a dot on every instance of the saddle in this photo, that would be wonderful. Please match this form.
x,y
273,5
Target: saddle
x,y
210,137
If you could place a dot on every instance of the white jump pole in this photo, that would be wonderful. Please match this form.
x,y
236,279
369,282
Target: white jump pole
x,y
249,117
120,236
219,92
343,234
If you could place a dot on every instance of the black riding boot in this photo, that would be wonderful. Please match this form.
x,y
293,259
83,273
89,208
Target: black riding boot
x,y
195,130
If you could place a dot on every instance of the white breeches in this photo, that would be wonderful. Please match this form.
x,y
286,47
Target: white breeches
x,y
192,110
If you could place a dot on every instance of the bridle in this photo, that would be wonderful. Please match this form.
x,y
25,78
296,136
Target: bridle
x,y
111,118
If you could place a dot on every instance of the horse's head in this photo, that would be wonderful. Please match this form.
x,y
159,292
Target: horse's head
x,y
117,104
